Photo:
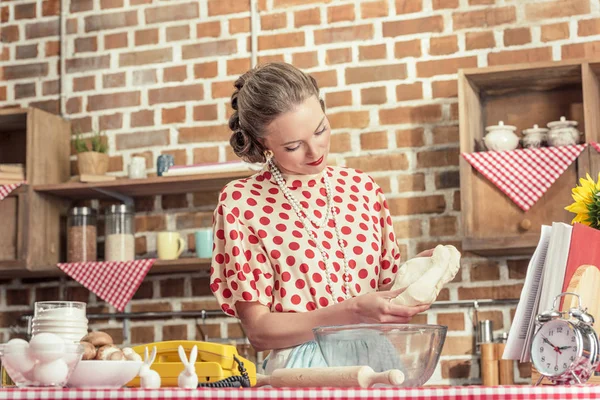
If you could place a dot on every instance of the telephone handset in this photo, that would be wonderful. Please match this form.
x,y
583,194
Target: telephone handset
x,y
215,362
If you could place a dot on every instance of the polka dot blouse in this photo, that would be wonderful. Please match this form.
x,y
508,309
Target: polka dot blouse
x,y
262,253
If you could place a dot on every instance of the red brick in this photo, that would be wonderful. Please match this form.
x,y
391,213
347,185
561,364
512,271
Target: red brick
x,y
580,50
412,26
208,29
205,70
480,40
23,71
86,44
205,112
85,64
239,25
443,45
115,41
437,158
341,13
176,94
110,121
446,66
556,31
81,5
520,56
173,115
349,119
444,88
306,59
374,140
588,27
4,14
376,73
25,11
142,118
409,91
344,34
142,139
270,58
490,292
416,114
481,2
556,9
113,100
338,56
238,66
486,17
373,52
517,36
325,78
281,41
455,369
517,269
27,51
338,99
175,74
52,48
175,33
227,7
374,9
290,3
416,205
145,57
50,7
269,22
9,34
443,4
175,12
105,4
116,20
146,36
42,29
144,77
74,105
408,6
209,49
206,154
410,138
221,90
458,346
485,271
48,88
373,95
310,16
409,48
24,90
207,133
340,143
454,321
445,134
383,162
84,83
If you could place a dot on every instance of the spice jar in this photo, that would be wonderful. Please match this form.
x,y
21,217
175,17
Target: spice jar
x,y
563,133
534,137
501,137
119,242
81,234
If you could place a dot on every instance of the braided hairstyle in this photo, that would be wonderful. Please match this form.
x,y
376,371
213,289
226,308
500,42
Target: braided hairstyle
x,y
260,96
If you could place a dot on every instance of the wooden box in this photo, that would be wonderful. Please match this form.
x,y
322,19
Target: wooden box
x,y
40,141
521,95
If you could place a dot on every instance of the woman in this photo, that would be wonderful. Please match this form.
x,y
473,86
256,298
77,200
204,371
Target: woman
x,y
299,236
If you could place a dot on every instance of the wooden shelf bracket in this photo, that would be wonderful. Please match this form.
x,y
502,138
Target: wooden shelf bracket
x,y
128,200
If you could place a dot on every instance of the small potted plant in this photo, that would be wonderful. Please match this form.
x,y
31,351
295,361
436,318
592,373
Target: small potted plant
x,y
94,160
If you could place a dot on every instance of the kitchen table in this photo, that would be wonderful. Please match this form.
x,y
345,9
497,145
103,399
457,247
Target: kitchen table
x,y
440,393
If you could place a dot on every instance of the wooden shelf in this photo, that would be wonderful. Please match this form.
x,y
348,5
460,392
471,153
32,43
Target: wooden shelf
x,y
10,269
153,186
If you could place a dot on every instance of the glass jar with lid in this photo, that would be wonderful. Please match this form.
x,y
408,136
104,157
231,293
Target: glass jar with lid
x,y
81,234
119,241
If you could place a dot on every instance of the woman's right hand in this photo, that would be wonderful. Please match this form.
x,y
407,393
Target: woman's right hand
x,y
376,308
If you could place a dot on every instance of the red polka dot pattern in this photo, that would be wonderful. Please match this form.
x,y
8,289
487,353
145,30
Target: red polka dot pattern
x,y
262,253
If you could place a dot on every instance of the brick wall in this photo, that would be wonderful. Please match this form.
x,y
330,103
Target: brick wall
x,y
156,75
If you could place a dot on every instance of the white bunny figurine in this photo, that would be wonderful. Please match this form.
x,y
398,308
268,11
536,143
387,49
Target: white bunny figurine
x,y
149,379
188,378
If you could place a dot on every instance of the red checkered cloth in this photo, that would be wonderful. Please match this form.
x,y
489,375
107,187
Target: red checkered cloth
x,y
114,281
442,393
6,189
595,146
524,175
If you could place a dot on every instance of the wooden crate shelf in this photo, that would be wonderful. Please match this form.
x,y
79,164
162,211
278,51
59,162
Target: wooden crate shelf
x,y
521,95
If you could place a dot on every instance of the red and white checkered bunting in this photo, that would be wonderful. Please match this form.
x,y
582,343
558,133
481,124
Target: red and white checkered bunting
x,y
525,392
6,189
524,175
595,146
114,281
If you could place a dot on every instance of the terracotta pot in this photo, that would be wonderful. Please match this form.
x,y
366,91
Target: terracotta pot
x,y
92,163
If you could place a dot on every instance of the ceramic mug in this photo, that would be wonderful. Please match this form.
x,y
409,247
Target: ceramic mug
x,y
137,168
170,245
204,243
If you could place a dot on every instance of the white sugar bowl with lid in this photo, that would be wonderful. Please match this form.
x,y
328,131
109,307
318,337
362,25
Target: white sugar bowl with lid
x,y
563,133
501,137
534,137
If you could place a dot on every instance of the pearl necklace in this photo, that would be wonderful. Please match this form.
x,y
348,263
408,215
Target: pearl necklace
x,y
330,209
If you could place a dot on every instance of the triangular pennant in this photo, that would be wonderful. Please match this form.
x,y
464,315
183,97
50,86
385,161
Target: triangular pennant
x,y
6,189
595,146
114,281
524,175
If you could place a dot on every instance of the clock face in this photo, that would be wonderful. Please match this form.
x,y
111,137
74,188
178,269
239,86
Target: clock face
x,y
554,348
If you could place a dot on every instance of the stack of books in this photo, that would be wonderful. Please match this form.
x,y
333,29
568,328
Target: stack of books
x,y
11,173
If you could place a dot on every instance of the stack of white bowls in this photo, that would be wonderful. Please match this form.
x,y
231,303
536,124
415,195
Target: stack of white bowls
x,y
66,319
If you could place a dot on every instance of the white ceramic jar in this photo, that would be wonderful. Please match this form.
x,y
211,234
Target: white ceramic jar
x,y
501,137
534,138
563,133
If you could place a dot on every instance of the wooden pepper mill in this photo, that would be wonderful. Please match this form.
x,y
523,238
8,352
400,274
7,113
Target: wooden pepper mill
x,y
505,367
489,362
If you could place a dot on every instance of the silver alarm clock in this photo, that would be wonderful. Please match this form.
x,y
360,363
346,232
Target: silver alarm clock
x,y
565,346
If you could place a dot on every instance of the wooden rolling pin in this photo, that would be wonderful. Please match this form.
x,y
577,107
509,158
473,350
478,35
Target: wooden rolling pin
x,y
363,377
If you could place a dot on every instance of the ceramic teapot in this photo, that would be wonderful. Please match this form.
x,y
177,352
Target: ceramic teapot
x,y
534,137
563,133
501,137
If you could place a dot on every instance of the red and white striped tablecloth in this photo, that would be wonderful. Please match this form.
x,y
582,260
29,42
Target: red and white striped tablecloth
x,y
446,393
5,190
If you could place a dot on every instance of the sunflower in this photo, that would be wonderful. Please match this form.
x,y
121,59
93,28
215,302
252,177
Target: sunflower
x,y
587,202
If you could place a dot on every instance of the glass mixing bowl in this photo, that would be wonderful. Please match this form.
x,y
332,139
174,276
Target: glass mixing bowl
x,y
413,349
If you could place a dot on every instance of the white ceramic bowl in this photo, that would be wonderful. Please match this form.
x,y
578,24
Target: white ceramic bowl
x,y
103,374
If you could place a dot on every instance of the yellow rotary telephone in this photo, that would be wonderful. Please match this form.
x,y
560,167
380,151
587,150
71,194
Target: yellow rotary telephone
x,y
215,362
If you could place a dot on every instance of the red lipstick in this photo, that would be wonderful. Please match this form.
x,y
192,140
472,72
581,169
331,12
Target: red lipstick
x,y
319,161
